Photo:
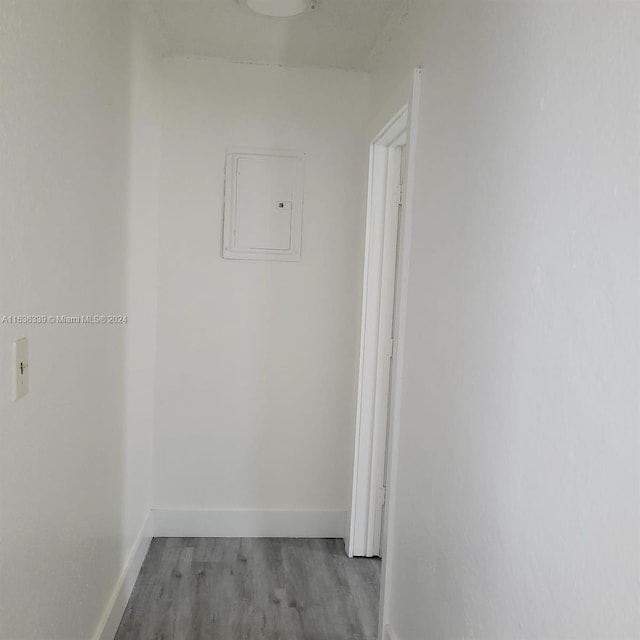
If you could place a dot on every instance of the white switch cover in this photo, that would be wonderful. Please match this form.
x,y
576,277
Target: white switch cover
x,y
20,368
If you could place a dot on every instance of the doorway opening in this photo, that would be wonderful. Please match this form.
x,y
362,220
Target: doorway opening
x,y
379,324
390,207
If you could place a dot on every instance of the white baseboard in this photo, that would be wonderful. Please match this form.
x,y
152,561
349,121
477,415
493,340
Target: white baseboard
x,y
250,523
389,633
110,621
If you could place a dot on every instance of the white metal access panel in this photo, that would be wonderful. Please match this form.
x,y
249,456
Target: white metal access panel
x,y
263,205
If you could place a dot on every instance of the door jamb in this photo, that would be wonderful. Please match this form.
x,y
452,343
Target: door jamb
x,y
374,395
395,396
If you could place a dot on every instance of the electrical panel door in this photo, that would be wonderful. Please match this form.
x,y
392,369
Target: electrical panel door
x,y
263,205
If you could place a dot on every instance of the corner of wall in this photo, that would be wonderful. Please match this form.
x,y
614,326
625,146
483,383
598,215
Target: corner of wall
x,y
117,603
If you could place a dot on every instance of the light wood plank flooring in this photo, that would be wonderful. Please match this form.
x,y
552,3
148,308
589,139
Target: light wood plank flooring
x,y
252,589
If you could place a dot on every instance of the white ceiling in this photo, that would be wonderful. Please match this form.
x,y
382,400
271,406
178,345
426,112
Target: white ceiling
x,y
336,33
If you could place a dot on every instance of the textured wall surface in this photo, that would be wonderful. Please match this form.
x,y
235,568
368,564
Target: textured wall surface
x,y
517,498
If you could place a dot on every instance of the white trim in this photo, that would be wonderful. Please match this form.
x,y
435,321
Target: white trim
x,y
398,361
394,132
114,610
363,535
248,523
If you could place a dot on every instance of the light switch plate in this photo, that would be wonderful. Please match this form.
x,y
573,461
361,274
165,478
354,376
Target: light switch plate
x,y
20,368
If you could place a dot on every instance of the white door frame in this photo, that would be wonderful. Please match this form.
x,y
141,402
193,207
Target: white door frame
x,y
395,395
377,403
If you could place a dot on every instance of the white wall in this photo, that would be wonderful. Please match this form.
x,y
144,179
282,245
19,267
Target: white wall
x,y
142,266
70,503
517,497
257,361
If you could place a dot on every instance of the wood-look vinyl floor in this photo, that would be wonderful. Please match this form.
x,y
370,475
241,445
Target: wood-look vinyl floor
x,y
252,589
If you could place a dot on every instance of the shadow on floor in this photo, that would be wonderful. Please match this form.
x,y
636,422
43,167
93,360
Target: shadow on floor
x,y
252,589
